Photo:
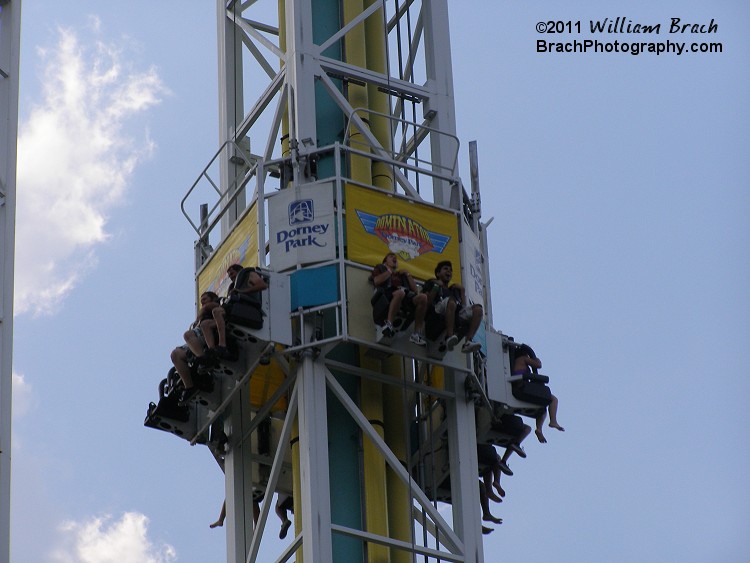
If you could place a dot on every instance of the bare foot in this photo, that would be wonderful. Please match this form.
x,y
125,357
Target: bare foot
x,y
486,530
492,496
490,518
556,425
499,489
540,436
216,524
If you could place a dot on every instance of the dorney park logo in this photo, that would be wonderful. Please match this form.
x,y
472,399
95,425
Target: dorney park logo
x,y
301,232
403,235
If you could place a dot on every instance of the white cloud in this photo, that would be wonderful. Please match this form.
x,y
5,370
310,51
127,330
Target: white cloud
x,y
101,540
75,160
22,395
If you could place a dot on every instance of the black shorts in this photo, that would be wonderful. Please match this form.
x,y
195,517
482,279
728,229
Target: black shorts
x,y
288,503
486,454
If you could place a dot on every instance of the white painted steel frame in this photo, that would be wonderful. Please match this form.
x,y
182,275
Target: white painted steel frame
x,y
10,33
294,88
440,81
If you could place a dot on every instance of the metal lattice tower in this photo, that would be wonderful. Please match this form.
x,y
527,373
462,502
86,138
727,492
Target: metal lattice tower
x,y
324,103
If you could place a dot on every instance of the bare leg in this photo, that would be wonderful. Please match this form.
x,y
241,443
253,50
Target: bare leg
x,y
496,475
484,501
396,298
521,437
281,513
420,304
208,328
179,359
553,415
194,343
506,455
499,489
476,319
539,423
222,516
221,325
450,318
487,477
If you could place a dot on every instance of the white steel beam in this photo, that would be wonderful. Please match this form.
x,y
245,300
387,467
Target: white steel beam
x,y
301,66
10,31
317,544
231,106
464,467
439,70
238,480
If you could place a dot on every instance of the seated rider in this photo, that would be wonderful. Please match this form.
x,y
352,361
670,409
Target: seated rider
x,y
488,456
514,425
195,342
253,284
449,301
400,289
525,362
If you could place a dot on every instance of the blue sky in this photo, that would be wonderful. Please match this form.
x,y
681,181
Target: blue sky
x,y
619,187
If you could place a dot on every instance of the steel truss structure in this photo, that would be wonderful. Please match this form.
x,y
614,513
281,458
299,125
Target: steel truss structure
x,y
284,76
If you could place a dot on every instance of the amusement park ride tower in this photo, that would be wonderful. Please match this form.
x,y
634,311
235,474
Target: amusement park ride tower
x,y
338,145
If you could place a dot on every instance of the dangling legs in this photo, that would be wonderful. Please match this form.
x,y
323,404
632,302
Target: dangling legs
x,y
487,478
485,503
553,415
221,325
420,309
179,359
222,516
539,423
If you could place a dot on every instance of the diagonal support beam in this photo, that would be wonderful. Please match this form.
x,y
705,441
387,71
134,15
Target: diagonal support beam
x,y
278,460
263,101
390,542
451,540
348,27
255,34
260,59
343,103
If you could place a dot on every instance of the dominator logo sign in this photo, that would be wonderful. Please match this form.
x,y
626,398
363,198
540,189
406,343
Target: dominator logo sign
x,y
303,230
403,235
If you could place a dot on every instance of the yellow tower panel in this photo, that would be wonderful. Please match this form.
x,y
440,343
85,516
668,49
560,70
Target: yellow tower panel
x,y
420,234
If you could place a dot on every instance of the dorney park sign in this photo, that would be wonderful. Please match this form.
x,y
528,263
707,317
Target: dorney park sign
x,y
301,226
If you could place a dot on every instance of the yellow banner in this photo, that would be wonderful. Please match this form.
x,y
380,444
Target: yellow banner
x,y
240,247
378,223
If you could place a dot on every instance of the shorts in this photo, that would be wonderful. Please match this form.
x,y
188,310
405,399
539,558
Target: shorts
x,y
464,313
189,356
285,502
441,305
486,454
